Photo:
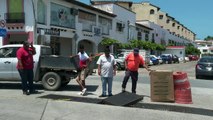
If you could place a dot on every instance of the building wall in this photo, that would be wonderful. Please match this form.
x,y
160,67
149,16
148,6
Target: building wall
x,y
129,22
143,13
162,36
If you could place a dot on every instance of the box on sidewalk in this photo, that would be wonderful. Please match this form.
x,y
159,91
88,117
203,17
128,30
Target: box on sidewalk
x,y
162,86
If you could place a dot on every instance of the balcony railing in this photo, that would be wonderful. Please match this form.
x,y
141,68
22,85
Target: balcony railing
x,y
15,17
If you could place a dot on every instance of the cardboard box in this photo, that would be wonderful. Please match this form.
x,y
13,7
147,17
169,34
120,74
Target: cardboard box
x,y
162,86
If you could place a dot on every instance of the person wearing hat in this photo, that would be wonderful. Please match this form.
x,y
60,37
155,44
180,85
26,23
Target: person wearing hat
x,y
106,69
25,67
132,62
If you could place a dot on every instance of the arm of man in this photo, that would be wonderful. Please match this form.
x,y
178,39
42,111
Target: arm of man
x,y
33,49
19,56
144,64
99,65
114,67
20,64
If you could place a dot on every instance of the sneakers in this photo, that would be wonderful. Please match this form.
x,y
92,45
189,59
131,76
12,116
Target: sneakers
x,y
26,93
110,95
102,95
83,91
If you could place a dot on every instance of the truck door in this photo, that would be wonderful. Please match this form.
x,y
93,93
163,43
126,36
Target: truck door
x,y
6,63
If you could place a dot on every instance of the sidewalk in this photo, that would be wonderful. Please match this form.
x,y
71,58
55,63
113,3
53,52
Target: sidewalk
x,y
201,97
16,106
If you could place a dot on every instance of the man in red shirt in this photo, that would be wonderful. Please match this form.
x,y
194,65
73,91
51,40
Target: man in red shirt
x,y
132,62
25,67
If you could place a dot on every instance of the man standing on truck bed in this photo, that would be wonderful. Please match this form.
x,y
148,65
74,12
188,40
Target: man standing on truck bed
x,y
132,62
25,67
84,58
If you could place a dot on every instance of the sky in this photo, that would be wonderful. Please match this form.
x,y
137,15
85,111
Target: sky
x,y
196,15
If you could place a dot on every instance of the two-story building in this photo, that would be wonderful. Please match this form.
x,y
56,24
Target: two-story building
x,y
62,24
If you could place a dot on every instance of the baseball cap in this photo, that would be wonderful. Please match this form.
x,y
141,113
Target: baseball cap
x,y
136,50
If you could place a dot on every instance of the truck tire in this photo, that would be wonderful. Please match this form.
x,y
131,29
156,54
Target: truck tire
x,y
51,81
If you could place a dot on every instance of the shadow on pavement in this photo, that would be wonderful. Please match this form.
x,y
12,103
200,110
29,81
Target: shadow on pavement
x,y
91,88
17,85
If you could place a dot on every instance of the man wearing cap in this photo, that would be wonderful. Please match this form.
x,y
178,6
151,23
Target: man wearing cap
x,y
132,62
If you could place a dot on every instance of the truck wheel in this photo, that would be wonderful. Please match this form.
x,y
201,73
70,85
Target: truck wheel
x,y
51,81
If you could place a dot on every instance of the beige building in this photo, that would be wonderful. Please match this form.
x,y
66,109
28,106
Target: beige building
x,y
147,11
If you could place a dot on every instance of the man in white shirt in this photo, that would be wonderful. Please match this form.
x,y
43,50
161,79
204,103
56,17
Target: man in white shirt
x,y
106,69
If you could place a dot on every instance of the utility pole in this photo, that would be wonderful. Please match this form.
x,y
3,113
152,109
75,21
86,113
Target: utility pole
x,y
35,23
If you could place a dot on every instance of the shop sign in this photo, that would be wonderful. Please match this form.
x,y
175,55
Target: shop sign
x,y
3,32
44,31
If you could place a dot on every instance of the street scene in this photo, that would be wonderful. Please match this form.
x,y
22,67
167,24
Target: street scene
x,y
105,60
68,104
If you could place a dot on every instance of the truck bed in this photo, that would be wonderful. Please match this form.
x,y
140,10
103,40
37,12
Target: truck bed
x,y
59,62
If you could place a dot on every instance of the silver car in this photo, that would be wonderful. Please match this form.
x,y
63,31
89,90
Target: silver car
x,y
204,67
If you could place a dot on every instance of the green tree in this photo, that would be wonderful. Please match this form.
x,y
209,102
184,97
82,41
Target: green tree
x,y
190,49
109,41
208,38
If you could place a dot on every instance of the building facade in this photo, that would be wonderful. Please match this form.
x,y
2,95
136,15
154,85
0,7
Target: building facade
x,y
152,13
61,24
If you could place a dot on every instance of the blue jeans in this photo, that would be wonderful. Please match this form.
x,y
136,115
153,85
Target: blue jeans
x,y
26,79
105,81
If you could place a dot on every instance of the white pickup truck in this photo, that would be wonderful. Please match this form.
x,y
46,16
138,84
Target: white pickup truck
x,y
53,71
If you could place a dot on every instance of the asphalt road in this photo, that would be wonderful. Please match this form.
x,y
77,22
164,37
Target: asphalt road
x,y
188,67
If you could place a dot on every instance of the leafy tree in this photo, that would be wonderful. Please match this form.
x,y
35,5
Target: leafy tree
x,y
147,45
109,41
190,49
208,38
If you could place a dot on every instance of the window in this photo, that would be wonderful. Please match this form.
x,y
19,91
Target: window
x,y
87,19
60,16
8,52
152,12
173,24
139,36
167,21
147,37
105,24
41,12
178,27
119,27
160,16
204,50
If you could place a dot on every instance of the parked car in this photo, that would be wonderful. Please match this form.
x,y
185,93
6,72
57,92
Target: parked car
x,y
175,59
160,61
120,62
154,60
166,58
204,67
186,59
193,57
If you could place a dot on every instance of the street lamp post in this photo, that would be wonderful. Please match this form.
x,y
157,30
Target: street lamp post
x,y
35,23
